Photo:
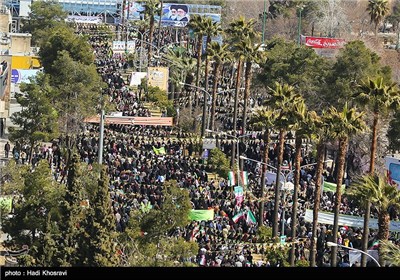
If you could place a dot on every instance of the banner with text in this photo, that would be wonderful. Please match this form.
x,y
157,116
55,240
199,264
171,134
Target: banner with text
x,y
323,42
158,77
347,220
119,46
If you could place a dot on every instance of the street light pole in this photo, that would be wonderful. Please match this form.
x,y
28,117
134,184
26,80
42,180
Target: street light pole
x,y
153,46
299,31
332,244
101,140
264,21
126,25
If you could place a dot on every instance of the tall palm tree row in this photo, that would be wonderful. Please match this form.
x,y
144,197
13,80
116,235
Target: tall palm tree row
x,y
239,31
378,190
304,128
152,9
204,26
380,97
282,98
211,29
197,25
219,54
263,119
343,124
320,133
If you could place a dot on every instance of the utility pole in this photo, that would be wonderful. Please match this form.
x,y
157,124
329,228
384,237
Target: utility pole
x,y
122,23
299,32
101,138
264,21
126,25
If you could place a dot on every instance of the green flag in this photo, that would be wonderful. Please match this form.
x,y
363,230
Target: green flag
x,y
159,151
331,187
201,215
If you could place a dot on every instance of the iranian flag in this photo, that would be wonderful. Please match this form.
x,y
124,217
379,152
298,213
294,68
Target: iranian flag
x,y
237,217
244,177
250,219
374,245
231,178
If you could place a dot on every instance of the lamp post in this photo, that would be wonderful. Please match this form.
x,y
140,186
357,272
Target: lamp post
x,y
153,46
141,48
264,21
332,244
102,119
203,122
301,7
285,177
235,118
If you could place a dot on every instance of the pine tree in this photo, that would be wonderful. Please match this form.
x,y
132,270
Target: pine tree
x,y
49,251
98,246
33,211
73,214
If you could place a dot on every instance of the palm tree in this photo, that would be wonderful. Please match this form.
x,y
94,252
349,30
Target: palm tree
x,y
304,129
382,195
239,30
252,54
211,29
152,9
264,119
390,253
320,131
205,27
196,24
219,54
282,99
377,9
379,97
343,124
181,68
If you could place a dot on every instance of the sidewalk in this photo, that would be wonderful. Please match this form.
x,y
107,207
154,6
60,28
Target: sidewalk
x,y
3,159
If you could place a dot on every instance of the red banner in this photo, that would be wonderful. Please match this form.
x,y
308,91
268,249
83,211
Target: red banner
x,y
166,121
324,43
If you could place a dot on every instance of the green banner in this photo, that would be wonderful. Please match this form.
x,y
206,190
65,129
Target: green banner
x,y
159,151
201,215
331,187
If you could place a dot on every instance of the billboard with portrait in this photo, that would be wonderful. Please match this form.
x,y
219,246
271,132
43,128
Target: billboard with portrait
x,y
178,15
175,15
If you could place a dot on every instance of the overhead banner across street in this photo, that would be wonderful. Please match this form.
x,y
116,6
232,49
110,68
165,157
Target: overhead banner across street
x,y
164,121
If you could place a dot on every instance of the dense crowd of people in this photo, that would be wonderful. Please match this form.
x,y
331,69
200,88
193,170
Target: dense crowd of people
x,y
137,174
